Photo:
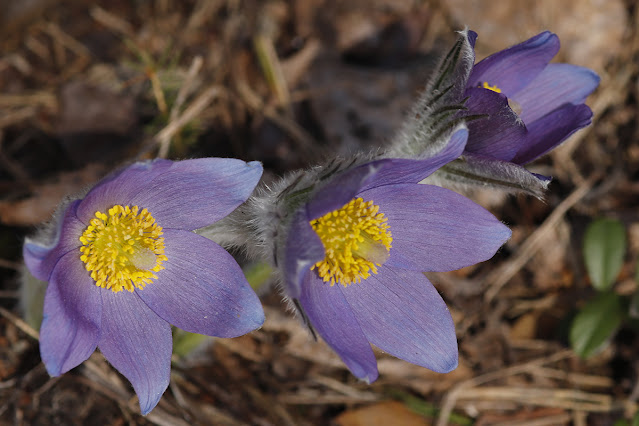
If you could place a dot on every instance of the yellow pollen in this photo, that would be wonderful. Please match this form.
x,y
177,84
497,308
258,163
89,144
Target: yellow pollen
x,y
356,239
494,88
123,249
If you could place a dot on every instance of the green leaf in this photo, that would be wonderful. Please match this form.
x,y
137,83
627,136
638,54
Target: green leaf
x,y
635,419
604,250
258,274
633,311
184,342
596,324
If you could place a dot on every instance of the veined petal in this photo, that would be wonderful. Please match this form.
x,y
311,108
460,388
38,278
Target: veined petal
x,y
119,187
557,84
72,316
413,171
184,194
195,193
138,343
402,313
303,249
332,318
41,259
500,134
435,229
341,189
550,130
202,290
514,68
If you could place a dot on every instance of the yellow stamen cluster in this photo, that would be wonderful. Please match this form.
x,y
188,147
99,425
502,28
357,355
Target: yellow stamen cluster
x,y
357,240
123,249
485,85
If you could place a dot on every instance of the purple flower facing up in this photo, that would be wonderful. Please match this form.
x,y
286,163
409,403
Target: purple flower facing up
x,y
354,253
123,266
532,105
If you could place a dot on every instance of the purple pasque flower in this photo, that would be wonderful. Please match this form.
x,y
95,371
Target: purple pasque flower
x,y
532,105
356,249
123,266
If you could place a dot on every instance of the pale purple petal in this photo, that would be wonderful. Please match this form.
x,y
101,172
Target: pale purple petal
x,y
138,344
119,187
183,194
332,318
499,135
41,259
303,249
401,313
549,131
514,68
435,229
195,193
341,189
72,316
414,171
202,290
558,84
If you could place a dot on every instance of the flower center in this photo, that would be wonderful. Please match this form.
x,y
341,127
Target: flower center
x,y
357,240
123,249
494,88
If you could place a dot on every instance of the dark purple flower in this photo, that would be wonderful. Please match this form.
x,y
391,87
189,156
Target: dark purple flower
x,y
355,252
124,265
532,105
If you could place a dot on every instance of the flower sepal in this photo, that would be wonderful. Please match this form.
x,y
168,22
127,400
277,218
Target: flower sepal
x,y
472,171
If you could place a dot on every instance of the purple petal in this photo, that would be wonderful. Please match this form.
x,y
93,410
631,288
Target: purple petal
x,y
138,343
332,318
435,229
401,313
472,38
414,171
558,84
514,68
342,188
119,187
501,133
72,315
41,259
183,194
195,193
549,131
202,290
303,249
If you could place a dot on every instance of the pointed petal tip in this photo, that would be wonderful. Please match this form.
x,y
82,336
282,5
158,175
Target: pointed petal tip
x,y
151,401
448,365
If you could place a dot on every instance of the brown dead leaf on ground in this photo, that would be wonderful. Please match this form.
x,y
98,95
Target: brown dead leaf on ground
x,y
381,414
46,196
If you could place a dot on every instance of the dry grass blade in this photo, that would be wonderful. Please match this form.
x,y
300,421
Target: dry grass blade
x,y
570,399
19,323
453,394
194,109
500,276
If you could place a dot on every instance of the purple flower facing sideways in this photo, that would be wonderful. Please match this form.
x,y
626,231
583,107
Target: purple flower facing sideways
x,y
533,105
124,265
355,252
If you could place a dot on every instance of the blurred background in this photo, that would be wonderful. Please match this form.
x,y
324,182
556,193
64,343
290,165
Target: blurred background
x,y
547,329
